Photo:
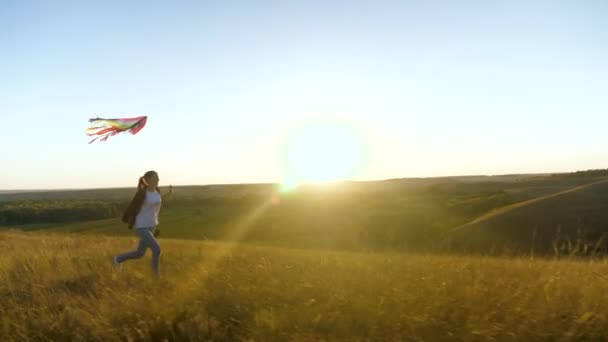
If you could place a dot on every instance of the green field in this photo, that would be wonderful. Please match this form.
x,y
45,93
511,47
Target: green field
x,y
525,213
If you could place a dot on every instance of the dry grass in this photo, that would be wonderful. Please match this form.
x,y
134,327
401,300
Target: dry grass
x,y
62,287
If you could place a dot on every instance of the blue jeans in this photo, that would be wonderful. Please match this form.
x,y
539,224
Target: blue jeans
x,y
146,240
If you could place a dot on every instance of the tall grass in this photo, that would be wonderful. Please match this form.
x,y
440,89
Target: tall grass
x,y
62,287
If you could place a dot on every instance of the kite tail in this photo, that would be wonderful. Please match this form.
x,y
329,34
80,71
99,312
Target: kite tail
x,y
105,128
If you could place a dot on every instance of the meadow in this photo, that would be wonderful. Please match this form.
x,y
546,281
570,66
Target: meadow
x,y
347,262
58,286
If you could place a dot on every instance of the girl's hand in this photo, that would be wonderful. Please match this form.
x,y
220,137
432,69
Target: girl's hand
x,y
168,194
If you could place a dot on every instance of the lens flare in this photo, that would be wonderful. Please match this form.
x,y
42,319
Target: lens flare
x,y
323,151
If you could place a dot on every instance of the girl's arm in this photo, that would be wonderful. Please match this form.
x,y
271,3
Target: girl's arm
x,y
168,194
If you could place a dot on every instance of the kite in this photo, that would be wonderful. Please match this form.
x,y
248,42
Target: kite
x,y
105,128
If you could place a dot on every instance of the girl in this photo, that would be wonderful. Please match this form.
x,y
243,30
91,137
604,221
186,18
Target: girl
x,y
142,213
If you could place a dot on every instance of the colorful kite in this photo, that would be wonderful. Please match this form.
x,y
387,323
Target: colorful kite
x,y
105,128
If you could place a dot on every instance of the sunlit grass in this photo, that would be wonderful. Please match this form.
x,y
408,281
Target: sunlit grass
x,y
62,286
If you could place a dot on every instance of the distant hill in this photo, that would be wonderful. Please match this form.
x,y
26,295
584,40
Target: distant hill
x,y
558,220
482,213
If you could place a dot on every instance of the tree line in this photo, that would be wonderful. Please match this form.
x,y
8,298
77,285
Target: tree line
x,y
57,211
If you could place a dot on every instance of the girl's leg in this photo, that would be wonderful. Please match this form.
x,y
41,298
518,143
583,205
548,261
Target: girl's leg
x,y
147,236
135,254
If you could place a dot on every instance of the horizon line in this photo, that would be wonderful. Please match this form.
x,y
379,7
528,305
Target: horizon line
x,y
22,190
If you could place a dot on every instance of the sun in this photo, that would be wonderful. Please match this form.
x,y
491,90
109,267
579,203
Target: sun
x,y
323,152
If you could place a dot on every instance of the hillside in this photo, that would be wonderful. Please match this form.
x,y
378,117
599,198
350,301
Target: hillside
x,y
404,215
546,223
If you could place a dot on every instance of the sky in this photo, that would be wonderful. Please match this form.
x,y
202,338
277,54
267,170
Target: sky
x,y
433,88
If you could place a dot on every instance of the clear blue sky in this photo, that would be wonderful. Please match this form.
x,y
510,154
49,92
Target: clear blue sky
x,y
440,87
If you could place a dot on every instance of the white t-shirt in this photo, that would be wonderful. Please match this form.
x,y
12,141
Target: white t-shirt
x,y
148,214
